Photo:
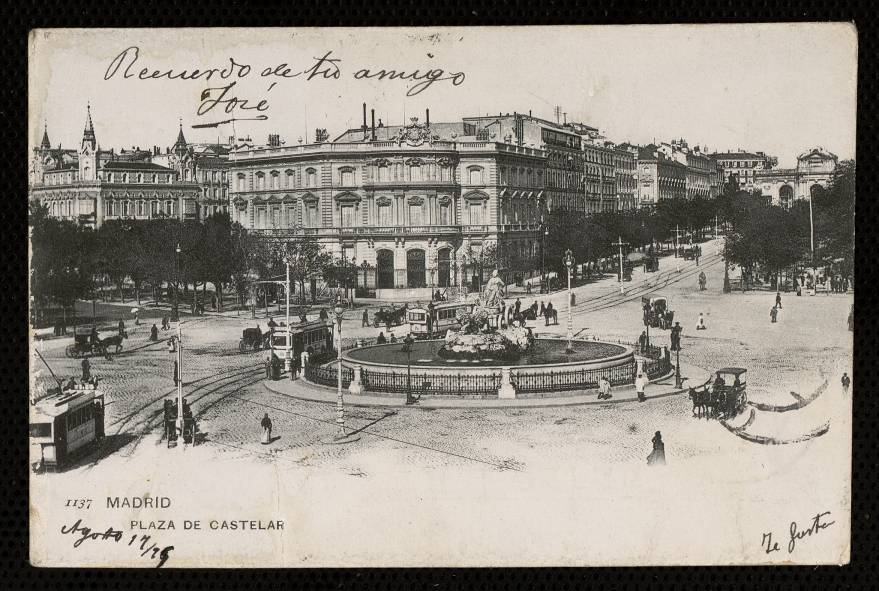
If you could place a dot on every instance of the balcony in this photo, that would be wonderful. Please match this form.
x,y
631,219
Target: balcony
x,y
366,231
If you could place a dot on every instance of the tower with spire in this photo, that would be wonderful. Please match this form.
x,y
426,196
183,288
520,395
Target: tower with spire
x,y
88,152
45,145
180,144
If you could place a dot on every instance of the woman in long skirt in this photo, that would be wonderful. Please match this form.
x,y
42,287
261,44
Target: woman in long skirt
x,y
657,456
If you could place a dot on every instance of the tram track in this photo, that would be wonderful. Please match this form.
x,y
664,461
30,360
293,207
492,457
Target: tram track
x,y
612,299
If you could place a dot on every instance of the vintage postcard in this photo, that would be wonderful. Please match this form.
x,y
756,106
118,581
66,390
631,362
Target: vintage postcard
x,y
486,296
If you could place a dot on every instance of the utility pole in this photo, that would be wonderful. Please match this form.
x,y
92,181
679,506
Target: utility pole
x,y
619,243
715,227
179,421
288,349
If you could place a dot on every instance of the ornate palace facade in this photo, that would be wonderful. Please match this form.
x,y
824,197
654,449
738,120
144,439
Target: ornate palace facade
x,y
417,206
91,185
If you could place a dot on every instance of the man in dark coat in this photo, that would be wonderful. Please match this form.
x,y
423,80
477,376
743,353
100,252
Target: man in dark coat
x,y
381,340
365,321
517,306
86,370
778,299
154,333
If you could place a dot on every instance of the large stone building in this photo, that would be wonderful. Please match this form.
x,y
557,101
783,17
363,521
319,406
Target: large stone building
x,y
205,164
91,185
624,171
659,177
417,204
744,166
600,181
814,171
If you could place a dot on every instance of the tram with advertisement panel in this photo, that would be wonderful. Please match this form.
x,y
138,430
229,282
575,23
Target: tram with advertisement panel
x,y
444,316
315,337
64,426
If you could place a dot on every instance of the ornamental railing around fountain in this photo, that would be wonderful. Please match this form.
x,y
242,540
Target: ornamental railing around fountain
x,y
328,375
433,385
525,381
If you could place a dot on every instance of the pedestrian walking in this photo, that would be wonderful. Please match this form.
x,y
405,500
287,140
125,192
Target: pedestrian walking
x,y
137,317
272,324
542,309
846,382
702,281
657,456
266,424
86,370
365,320
268,365
642,341
165,324
700,324
518,306
604,389
295,367
122,328
778,300
393,338
640,386
172,345
154,333
773,314
550,313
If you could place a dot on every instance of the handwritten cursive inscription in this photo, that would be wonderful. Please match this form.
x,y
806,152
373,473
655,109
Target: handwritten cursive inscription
x,y
127,66
146,549
818,523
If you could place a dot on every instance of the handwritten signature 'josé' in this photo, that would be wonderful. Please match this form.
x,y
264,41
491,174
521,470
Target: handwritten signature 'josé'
x,y
770,546
115,535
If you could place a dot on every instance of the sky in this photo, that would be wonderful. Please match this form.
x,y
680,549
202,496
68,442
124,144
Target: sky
x,y
777,88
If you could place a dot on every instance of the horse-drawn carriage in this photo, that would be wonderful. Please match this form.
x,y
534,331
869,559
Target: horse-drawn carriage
x,y
87,342
394,316
722,397
254,339
657,313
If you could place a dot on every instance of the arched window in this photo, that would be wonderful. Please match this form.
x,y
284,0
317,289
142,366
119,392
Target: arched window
x,y
140,208
124,177
346,176
384,172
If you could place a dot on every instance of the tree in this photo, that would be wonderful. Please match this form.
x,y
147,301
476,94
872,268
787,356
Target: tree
x,y
834,217
308,260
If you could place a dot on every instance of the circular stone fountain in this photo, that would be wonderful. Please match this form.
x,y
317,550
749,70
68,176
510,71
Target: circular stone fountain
x,y
487,359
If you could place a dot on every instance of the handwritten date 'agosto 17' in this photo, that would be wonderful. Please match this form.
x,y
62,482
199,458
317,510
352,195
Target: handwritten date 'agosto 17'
x,y
146,548
325,67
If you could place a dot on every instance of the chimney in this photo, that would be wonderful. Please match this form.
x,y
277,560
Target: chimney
x,y
372,113
364,115
565,118
427,117
529,113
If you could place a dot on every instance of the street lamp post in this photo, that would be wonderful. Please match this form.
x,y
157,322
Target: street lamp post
x,y
407,346
544,232
339,310
676,347
620,244
179,421
288,343
569,263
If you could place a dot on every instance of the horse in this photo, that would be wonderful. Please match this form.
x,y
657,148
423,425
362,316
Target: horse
x,y
701,402
553,315
115,340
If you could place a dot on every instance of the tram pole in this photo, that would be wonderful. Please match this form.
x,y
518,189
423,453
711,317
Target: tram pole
x,y
179,422
288,349
569,263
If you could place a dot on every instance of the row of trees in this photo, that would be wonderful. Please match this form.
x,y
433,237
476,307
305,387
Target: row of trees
x,y
70,261
775,239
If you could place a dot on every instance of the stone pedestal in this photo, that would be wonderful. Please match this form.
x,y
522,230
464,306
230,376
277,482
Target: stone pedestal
x,y
356,387
506,390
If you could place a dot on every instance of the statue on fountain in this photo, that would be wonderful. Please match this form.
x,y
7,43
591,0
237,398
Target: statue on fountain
x,y
482,334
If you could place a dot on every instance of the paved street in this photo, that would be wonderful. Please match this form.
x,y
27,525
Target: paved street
x,y
543,447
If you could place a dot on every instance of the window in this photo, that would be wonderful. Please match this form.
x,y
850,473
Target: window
x,y
310,177
276,217
276,180
311,215
290,178
346,177
475,213
415,172
475,175
445,211
260,181
384,173
154,208
415,214
242,182
140,208
347,216
384,215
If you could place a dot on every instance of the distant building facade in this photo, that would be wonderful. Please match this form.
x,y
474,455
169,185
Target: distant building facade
x,y
91,186
814,171
744,166
659,177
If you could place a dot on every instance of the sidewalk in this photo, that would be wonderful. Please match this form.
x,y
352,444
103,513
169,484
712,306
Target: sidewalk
x,y
303,390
